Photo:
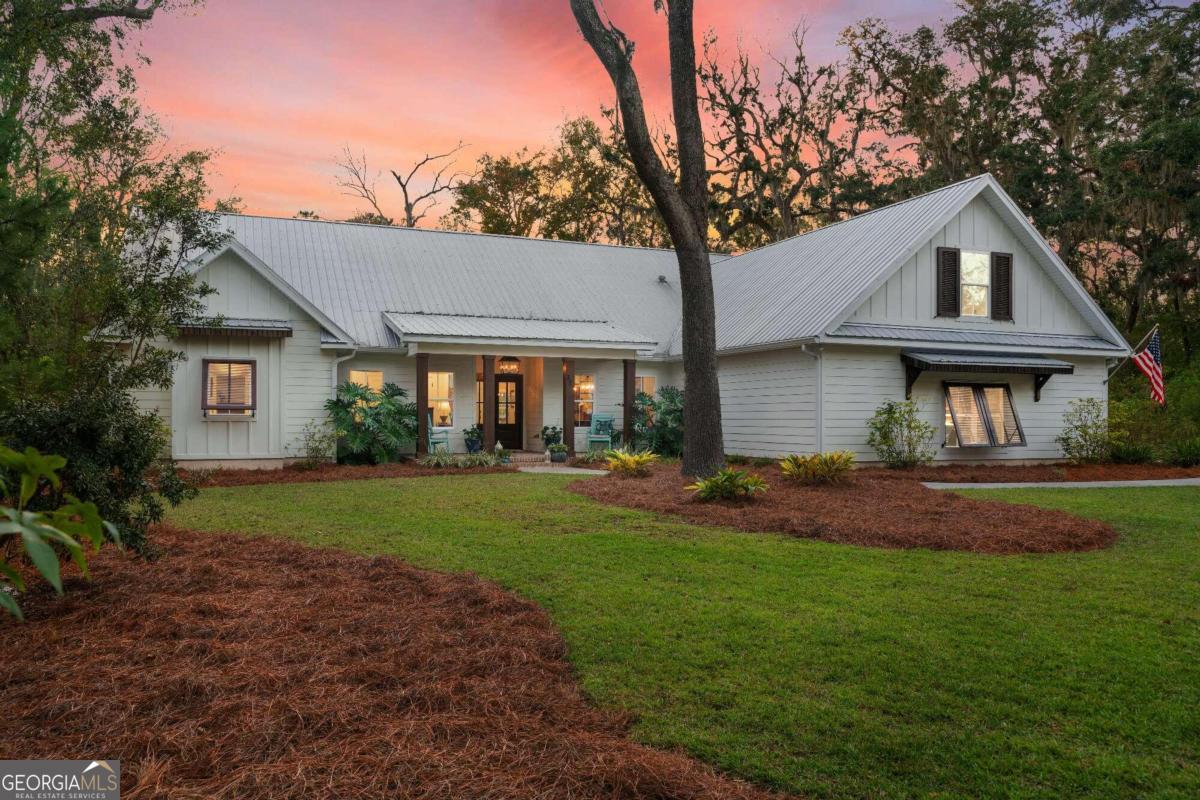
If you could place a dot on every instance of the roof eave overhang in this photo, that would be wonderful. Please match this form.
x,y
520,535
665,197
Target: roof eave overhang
x,y
971,347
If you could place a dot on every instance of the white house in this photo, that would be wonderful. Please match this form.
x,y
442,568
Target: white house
x,y
952,298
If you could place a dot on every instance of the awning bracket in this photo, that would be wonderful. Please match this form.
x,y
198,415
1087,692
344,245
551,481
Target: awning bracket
x,y
1038,382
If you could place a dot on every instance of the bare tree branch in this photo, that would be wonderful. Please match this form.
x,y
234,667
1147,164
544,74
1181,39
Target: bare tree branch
x,y
416,206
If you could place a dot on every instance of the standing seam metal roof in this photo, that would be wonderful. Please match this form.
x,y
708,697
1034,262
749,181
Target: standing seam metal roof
x,y
797,289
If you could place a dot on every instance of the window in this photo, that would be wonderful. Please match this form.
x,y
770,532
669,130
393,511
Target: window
x,y
585,399
645,384
441,399
981,415
229,389
370,378
976,283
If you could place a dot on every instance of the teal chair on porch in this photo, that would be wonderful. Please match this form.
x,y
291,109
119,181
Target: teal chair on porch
x,y
601,430
436,439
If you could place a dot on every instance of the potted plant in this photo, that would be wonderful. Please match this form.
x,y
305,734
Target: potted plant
x,y
501,454
551,435
474,438
558,453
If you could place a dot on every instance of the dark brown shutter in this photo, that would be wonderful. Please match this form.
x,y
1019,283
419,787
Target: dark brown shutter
x,y
947,281
1002,286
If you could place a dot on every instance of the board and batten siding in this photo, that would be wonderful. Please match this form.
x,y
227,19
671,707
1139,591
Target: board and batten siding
x,y
293,374
909,297
857,380
769,402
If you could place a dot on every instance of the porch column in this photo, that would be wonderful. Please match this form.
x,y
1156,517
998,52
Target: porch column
x,y
489,404
422,403
568,392
630,380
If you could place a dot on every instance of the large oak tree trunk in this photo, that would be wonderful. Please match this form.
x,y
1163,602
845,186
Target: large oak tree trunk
x,y
684,208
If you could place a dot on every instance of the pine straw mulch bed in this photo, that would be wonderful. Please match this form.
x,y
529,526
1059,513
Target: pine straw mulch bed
x,y
260,668
333,472
1002,473
869,510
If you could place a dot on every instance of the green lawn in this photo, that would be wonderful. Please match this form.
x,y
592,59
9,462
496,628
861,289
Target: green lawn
x,y
822,669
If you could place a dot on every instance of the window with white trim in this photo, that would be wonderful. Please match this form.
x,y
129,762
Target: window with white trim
x,y
441,399
976,283
229,388
645,384
981,415
585,400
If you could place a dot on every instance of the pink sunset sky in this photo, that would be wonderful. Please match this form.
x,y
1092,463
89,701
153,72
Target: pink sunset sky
x,y
278,87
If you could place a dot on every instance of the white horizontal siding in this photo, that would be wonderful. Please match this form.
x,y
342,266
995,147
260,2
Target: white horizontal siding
x,y
858,380
769,403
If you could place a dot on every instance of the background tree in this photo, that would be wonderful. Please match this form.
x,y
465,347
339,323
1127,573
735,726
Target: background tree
x,y
794,155
508,195
356,180
683,204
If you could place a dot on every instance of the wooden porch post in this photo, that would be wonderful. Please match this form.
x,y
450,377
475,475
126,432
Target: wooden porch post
x,y
568,392
630,381
422,403
489,404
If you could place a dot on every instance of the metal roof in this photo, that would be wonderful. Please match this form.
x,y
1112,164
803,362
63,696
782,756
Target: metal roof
x,y
416,326
348,275
795,288
353,273
236,326
906,333
986,362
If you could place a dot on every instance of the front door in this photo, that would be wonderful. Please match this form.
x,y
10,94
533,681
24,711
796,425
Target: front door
x,y
508,411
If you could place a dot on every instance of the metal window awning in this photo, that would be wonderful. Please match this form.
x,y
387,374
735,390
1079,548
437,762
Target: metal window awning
x,y
237,326
1040,367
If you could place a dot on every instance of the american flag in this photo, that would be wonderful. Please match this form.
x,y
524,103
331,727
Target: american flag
x,y
1149,361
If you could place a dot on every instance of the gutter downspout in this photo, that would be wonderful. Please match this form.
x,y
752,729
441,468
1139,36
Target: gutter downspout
x,y
334,377
816,356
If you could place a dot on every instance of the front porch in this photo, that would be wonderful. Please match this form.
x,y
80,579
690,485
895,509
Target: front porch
x,y
512,397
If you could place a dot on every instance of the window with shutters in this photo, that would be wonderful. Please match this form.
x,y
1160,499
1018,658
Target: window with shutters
x,y
973,283
230,389
981,415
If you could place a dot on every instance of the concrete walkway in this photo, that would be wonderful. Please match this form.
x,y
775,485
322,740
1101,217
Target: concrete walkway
x,y
558,469
1067,484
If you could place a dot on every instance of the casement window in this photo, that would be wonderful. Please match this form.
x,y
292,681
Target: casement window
x,y
370,378
981,415
441,399
974,284
230,388
585,400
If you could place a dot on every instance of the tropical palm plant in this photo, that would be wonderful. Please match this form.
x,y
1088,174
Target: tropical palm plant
x,y
373,426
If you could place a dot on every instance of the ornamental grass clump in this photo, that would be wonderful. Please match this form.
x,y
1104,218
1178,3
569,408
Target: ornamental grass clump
x,y
833,467
729,484
628,464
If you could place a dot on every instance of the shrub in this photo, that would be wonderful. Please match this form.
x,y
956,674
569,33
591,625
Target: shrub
x,y
374,426
1085,435
630,464
40,532
114,457
318,445
729,484
1122,452
557,447
471,460
658,422
1185,453
832,467
591,456
441,459
473,436
899,436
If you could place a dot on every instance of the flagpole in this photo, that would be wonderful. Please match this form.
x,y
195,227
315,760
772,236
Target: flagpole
x,y
1145,339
